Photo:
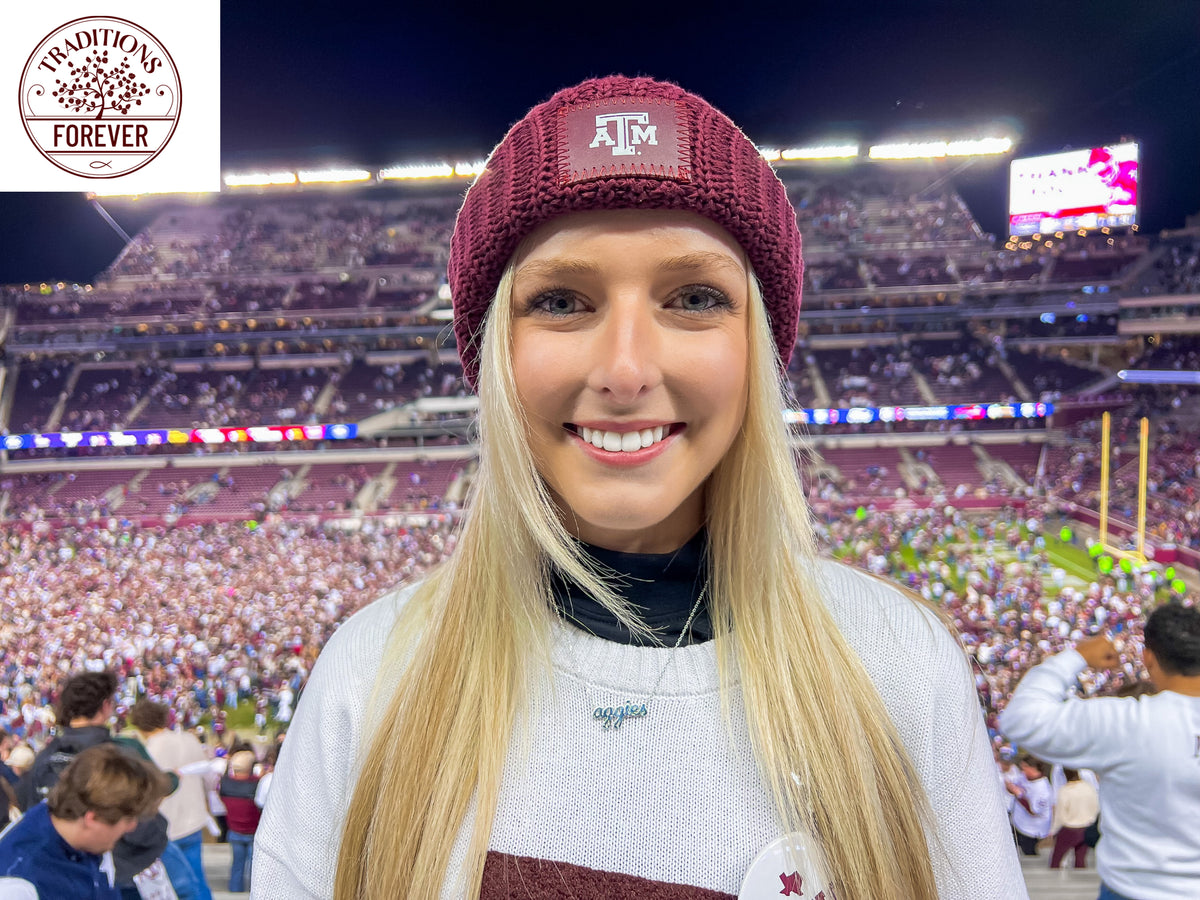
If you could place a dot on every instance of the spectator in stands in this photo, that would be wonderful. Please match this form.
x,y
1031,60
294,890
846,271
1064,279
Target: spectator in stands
x,y
61,847
1035,803
20,760
636,483
238,787
86,704
1143,750
186,810
1076,808
266,776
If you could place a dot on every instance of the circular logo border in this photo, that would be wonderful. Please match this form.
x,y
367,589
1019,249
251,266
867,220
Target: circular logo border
x,y
178,86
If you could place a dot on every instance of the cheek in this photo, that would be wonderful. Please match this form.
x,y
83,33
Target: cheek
x,y
540,373
719,375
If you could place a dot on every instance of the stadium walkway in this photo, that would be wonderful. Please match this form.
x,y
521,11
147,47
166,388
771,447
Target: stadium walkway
x,y
1043,883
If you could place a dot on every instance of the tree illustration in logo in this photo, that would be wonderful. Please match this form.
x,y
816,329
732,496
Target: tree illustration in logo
x,y
94,86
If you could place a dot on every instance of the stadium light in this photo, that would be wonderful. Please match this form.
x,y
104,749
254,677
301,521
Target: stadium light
x,y
259,179
940,149
981,147
829,151
769,155
471,169
426,170
333,176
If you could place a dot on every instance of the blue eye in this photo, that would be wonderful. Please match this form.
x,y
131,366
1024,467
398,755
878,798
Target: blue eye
x,y
700,298
555,303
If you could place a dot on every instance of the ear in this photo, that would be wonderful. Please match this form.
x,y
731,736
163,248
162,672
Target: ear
x,y
1150,661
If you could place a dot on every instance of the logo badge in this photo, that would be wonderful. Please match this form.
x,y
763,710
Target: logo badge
x,y
100,97
623,137
787,867
631,128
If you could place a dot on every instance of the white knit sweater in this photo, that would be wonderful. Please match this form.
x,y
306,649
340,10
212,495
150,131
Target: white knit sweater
x,y
675,797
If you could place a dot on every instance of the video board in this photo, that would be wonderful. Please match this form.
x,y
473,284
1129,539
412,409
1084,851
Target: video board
x,y
1093,188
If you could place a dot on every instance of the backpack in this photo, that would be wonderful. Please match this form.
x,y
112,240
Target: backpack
x,y
49,765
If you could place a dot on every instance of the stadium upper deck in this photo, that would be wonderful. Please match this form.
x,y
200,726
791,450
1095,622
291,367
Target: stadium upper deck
x,y
309,306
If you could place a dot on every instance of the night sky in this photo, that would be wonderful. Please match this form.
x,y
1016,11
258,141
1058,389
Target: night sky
x,y
375,84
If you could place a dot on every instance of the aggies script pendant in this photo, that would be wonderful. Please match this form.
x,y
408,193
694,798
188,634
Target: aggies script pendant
x,y
611,716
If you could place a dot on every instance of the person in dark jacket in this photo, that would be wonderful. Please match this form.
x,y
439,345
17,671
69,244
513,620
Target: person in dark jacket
x,y
237,793
86,703
60,847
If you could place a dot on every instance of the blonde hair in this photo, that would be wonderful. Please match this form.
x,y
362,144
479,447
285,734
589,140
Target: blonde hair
x,y
836,770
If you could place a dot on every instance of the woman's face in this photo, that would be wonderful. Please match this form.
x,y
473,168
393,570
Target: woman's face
x,y
630,352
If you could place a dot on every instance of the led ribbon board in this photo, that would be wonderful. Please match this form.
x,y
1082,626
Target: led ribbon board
x,y
157,437
865,415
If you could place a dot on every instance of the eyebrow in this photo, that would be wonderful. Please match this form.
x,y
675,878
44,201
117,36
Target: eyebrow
x,y
701,259
687,262
549,268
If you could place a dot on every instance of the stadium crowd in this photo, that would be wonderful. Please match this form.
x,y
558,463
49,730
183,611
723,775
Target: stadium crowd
x,y
207,616
203,617
994,580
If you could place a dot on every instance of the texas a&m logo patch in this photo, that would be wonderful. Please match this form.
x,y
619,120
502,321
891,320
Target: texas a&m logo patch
x,y
625,136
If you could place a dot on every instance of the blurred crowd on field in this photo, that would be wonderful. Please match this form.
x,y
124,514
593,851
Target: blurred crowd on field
x,y
213,618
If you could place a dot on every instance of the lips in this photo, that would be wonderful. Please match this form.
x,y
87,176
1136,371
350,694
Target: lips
x,y
624,441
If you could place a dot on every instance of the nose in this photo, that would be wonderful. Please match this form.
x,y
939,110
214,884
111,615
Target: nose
x,y
627,350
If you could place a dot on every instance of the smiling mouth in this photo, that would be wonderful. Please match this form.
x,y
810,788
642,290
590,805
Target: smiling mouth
x,y
623,441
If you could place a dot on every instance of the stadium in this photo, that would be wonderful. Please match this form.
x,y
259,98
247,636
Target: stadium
x,y
254,420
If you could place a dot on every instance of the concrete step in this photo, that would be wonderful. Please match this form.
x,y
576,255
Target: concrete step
x,y
1045,883
217,860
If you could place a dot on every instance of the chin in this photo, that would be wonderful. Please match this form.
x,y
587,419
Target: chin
x,y
635,523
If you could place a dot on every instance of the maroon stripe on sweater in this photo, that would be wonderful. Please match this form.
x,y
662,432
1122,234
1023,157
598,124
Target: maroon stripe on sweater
x,y
527,878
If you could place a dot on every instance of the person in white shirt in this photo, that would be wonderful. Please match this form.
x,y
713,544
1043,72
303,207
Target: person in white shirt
x,y
1009,774
1076,806
1034,804
1145,751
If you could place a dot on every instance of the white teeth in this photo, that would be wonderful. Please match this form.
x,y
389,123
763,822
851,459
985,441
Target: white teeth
x,y
626,441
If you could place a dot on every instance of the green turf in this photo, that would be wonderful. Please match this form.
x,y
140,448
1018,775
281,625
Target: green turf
x,y
239,719
1072,559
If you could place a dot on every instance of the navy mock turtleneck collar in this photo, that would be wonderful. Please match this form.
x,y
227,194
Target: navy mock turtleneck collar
x,y
663,588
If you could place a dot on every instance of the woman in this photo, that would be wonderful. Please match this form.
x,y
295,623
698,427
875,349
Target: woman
x,y
1076,809
633,677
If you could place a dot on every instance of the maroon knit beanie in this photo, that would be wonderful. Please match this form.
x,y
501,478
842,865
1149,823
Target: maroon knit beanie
x,y
621,143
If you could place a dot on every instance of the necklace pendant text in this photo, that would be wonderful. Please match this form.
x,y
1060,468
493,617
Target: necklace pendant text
x,y
613,716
